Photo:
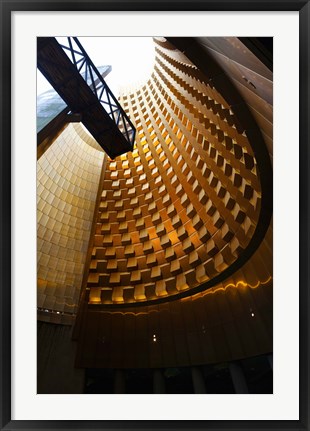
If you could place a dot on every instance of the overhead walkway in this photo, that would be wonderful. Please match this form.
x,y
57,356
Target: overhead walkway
x,y
71,72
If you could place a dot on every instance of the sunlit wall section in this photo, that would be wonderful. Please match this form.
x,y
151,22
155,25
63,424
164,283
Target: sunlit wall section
x,y
183,206
68,175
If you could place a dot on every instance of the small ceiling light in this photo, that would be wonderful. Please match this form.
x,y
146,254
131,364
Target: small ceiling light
x,y
252,314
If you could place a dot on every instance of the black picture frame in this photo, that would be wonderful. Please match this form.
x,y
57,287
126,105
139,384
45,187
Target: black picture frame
x,y
6,9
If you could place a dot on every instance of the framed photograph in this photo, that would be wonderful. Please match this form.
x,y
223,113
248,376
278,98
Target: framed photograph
x,y
154,215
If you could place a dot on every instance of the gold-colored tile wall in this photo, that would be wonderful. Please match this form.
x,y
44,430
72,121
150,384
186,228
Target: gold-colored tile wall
x,y
184,204
68,175
231,321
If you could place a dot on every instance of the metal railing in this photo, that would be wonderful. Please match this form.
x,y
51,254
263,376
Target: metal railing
x,y
79,57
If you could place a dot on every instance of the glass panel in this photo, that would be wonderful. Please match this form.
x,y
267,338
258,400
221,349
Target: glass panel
x,y
49,103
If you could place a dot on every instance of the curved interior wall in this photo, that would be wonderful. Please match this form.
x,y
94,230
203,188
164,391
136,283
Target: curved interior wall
x,y
183,206
231,321
173,215
68,175
253,80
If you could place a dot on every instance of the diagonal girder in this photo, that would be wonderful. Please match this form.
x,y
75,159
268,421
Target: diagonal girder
x,y
71,72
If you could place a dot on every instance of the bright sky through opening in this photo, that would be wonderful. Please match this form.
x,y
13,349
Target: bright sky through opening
x,y
132,60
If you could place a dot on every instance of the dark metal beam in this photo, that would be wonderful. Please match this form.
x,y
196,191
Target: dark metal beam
x,y
86,93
